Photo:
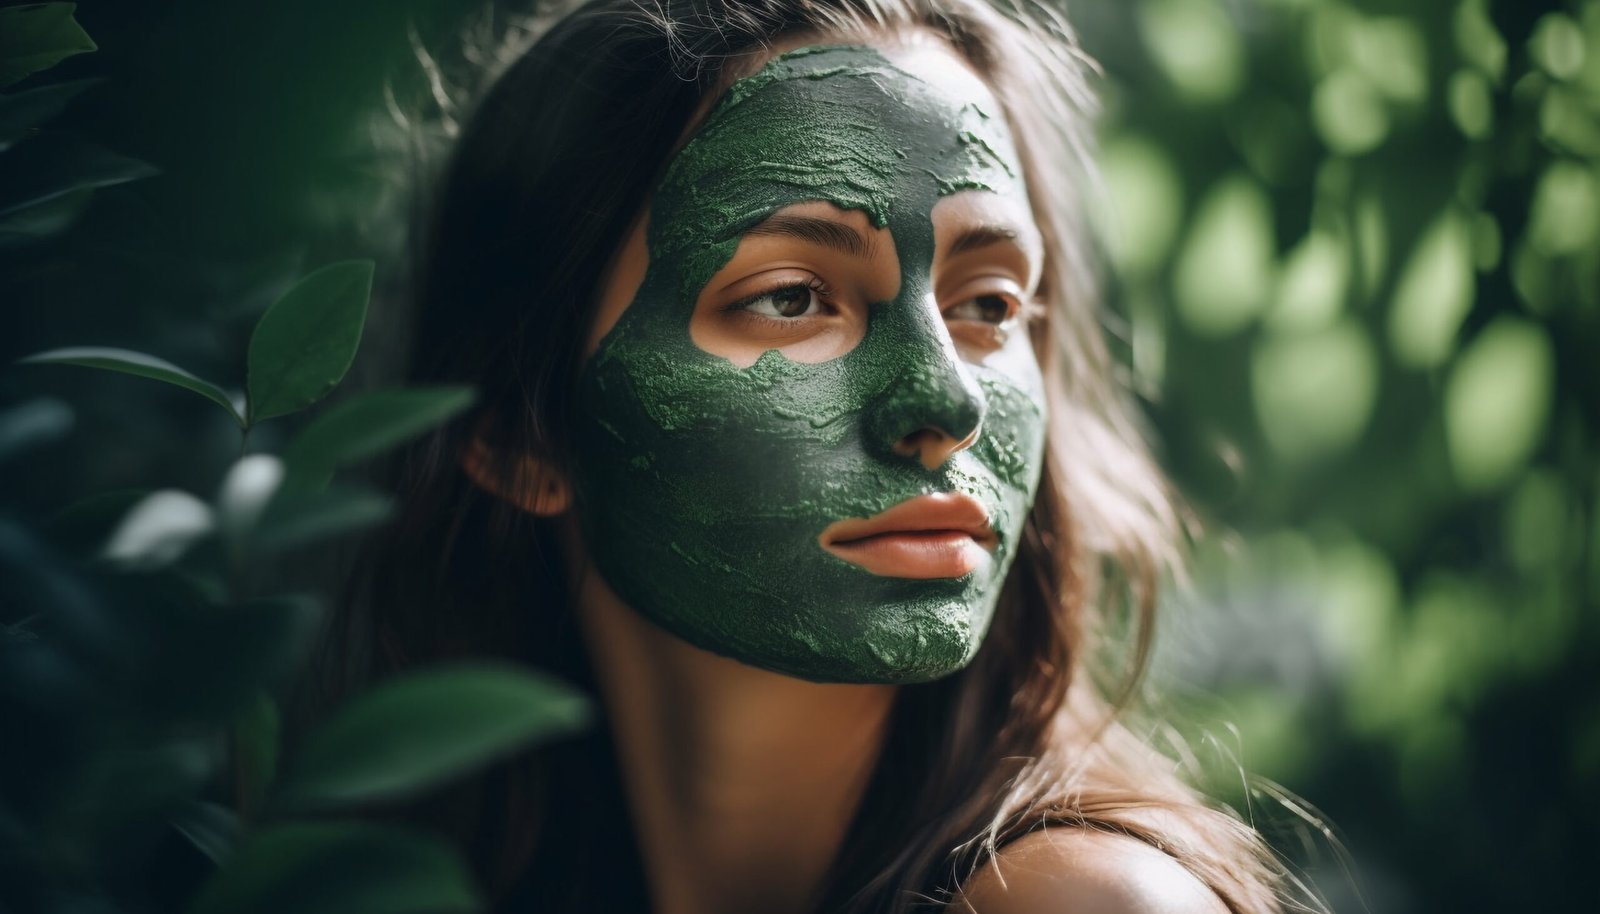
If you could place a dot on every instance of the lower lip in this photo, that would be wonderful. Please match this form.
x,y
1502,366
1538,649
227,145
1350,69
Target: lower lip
x,y
918,554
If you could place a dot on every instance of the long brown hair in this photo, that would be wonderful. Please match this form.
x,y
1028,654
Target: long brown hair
x,y
559,156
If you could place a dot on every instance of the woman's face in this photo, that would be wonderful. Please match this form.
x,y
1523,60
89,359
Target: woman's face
x,y
811,436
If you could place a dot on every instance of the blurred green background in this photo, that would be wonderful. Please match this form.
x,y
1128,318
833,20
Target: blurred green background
x,y
1357,249
1354,252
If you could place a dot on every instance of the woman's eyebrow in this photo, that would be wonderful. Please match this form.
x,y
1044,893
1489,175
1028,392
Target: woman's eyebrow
x,y
982,236
824,232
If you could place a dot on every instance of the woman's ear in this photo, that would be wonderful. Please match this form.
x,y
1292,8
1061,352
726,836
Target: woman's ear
x,y
532,484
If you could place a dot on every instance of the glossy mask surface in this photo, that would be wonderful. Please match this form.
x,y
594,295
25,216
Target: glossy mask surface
x,y
703,486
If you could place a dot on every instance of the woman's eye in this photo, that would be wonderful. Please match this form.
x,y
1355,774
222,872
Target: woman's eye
x,y
785,302
990,309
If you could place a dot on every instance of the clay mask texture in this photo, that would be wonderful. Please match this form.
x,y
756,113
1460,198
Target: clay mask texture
x,y
703,486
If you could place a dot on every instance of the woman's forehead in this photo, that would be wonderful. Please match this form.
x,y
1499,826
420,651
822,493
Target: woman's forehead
x,y
914,68
875,129
915,50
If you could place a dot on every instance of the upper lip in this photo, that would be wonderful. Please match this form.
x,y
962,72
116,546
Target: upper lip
x,y
939,511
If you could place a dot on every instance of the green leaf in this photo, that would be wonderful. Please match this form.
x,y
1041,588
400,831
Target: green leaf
x,y
48,167
304,344
339,868
367,425
295,518
212,829
38,36
412,733
139,364
22,111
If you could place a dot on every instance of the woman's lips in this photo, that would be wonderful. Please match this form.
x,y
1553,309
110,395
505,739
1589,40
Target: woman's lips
x,y
945,535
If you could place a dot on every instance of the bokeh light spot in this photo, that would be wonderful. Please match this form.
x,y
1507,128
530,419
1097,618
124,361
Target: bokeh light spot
x,y
1565,215
1224,271
1566,122
1470,104
1196,45
1391,54
1313,285
1361,595
1557,44
1590,78
1314,392
1478,40
1146,203
1496,402
1434,293
1349,113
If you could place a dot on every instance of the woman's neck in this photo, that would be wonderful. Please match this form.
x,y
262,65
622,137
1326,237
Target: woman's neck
x,y
741,782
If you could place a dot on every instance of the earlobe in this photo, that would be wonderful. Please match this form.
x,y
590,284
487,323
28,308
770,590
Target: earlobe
x,y
532,484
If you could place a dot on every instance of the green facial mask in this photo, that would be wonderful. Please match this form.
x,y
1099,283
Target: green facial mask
x,y
703,486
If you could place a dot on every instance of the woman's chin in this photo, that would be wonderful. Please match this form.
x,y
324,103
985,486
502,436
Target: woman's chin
x,y
900,643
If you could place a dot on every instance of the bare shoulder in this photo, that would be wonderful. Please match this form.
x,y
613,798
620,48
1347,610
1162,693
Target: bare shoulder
x,y
1079,871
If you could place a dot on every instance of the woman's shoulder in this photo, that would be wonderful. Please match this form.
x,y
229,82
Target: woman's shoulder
x,y
1066,870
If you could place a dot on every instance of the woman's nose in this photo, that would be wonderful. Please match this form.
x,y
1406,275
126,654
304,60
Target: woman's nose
x,y
932,446
933,408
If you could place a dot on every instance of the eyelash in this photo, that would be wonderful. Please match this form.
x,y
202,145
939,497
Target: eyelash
x,y
815,284
1014,307
824,292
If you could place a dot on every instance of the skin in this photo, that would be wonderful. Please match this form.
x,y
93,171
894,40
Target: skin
x,y
1073,871
722,437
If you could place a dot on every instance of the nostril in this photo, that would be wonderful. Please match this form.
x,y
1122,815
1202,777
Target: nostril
x,y
932,447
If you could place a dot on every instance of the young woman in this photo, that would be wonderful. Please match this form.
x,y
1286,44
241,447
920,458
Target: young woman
x,y
799,446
